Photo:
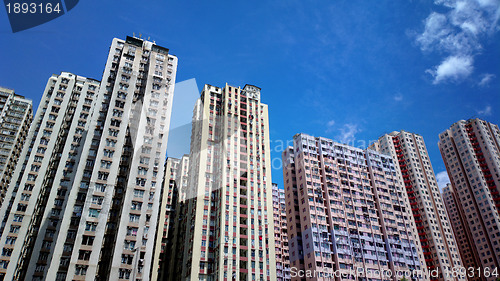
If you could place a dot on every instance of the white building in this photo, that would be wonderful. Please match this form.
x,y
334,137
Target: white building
x,y
16,115
92,184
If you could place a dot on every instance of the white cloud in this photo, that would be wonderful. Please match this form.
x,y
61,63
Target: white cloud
x,y
330,126
453,68
457,34
398,97
442,179
486,79
347,133
486,111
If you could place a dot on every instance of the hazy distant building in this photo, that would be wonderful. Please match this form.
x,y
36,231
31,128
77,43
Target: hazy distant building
x,y
435,232
88,203
280,235
471,153
228,233
347,212
16,114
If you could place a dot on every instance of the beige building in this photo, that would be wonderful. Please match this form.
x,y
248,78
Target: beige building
x,y
469,255
347,214
16,114
228,225
280,235
470,150
90,196
435,232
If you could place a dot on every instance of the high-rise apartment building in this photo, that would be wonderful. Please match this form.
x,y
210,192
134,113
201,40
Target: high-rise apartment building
x,y
175,180
434,229
458,220
280,235
16,114
170,264
471,153
53,140
84,207
347,213
228,232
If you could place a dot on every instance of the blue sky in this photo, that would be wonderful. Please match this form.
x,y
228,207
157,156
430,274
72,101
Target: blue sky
x,y
346,70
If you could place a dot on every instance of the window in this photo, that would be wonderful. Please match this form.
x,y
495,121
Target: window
x,y
124,273
100,187
84,255
106,164
97,200
108,153
90,226
81,269
140,182
14,228
102,175
129,245
88,240
127,259
136,205
110,143
134,218
131,231
94,213
144,160
138,193
18,218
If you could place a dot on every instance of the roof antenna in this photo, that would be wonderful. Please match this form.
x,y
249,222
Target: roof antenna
x,y
140,35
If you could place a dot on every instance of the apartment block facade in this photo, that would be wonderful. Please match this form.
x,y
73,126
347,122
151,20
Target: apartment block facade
x,y
16,114
53,141
471,153
175,180
280,235
228,233
458,220
347,212
94,175
435,232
